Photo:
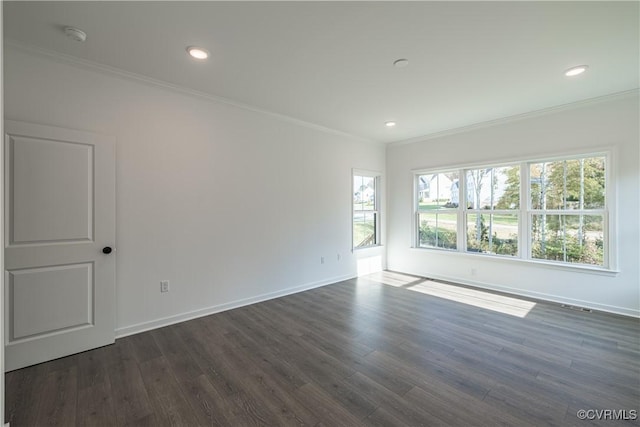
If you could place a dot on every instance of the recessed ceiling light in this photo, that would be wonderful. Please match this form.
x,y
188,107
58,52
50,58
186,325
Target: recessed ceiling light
x,y
198,52
390,124
75,34
400,63
574,71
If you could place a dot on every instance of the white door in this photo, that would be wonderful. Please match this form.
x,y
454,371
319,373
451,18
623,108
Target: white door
x,y
59,226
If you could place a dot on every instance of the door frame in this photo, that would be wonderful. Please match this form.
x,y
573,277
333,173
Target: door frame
x,y
2,392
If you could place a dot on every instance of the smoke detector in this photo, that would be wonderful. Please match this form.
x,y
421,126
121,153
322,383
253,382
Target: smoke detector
x,y
75,34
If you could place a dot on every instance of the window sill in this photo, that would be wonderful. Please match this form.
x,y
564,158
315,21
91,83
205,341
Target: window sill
x,y
577,268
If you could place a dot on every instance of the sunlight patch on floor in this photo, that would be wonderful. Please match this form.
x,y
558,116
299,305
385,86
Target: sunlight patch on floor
x,y
392,279
477,298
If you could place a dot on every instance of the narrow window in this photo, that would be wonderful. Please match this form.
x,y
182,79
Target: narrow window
x,y
366,216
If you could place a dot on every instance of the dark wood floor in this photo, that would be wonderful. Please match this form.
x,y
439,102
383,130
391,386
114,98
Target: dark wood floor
x,y
372,351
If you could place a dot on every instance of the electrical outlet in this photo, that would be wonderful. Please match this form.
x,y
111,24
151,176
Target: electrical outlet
x,y
474,271
164,286
321,260
338,257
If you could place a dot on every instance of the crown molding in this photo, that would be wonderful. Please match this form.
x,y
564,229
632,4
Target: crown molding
x,y
515,118
150,81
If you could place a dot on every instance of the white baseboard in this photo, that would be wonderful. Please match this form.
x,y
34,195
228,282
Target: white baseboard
x,y
170,320
538,295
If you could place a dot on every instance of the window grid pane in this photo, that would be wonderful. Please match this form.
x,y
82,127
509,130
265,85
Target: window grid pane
x,y
364,229
493,188
573,184
438,230
492,233
438,191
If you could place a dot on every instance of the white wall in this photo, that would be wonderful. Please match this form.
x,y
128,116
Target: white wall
x,y
228,204
612,122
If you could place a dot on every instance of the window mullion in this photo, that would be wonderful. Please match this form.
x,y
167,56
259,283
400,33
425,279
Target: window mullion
x,y
525,237
416,211
462,207
606,251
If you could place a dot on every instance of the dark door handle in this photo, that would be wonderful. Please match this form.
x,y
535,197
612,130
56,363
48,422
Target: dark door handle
x,y
107,250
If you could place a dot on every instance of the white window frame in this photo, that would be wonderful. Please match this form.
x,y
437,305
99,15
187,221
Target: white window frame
x,y
525,211
377,177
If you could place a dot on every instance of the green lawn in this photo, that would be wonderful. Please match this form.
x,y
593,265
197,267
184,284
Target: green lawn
x,y
505,219
428,206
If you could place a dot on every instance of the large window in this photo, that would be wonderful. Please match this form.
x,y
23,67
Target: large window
x,y
366,216
559,215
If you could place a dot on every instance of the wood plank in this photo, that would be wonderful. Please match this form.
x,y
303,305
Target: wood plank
x,y
95,405
442,403
144,347
130,398
58,405
327,409
91,369
211,408
165,395
172,346
23,393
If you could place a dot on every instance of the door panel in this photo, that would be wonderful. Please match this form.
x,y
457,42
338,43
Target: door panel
x,y
50,299
59,214
38,216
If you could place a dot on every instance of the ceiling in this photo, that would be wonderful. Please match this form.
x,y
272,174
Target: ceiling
x,y
330,63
